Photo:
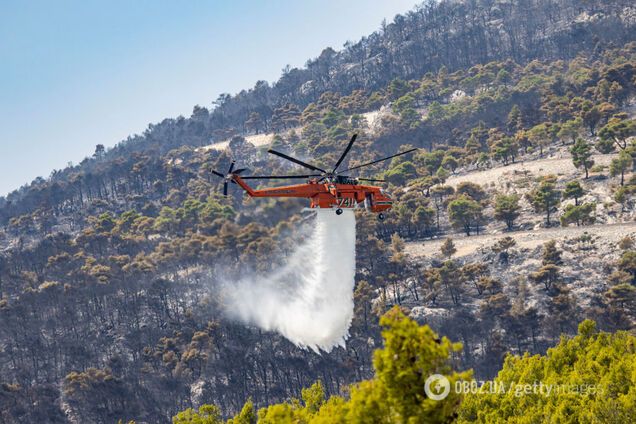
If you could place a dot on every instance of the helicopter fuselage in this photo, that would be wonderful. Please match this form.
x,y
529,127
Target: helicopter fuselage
x,y
328,194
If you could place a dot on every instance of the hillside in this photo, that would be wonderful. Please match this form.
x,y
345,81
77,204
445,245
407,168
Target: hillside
x,y
452,35
111,270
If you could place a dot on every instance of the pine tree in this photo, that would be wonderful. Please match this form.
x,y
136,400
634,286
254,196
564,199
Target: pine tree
x,y
545,197
620,165
582,155
515,121
571,130
579,214
465,213
507,209
573,364
551,254
573,190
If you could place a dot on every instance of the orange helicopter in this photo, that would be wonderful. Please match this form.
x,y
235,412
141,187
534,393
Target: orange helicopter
x,y
329,189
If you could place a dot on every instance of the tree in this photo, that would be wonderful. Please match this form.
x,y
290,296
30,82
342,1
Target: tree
x,y
547,275
397,88
573,364
505,149
97,395
522,140
507,209
627,263
465,213
450,276
207,414
582,155
579,214
571,130
423,219
561,312
623,195
442,174
618,131
448,248
605,146
439,194
254,122
431,285
100,151
401,173
502,147
545,197
551,254
503,246
573,190
474,272
450,163
411,354
246,416
622,296
538,136
591,116
404,107
477,142
620,165
515,120
472,190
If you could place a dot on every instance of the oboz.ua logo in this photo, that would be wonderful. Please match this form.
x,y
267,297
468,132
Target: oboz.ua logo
x,y
437,387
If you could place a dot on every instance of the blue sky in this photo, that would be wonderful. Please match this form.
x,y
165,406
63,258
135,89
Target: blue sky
x,y
74,74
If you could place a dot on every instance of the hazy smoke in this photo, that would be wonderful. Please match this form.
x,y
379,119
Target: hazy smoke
x,y
310,299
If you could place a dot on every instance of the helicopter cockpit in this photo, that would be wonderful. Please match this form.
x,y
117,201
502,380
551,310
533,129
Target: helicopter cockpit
x,y
342,179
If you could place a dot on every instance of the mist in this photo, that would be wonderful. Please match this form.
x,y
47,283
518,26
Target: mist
x,y
309,300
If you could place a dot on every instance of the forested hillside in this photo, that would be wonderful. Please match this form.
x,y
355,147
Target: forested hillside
x,y
501,235
450,35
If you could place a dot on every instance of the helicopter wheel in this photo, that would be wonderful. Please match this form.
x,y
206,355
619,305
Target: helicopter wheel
x,y
381,216
338,211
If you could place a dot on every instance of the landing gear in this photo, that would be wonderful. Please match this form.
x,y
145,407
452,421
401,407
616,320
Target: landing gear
x,y
381,216
338,211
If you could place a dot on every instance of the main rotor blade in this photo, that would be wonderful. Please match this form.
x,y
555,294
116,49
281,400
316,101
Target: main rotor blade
x,y
218,174
380,160
344,154
299,162
276,177
371,179
238,171
225,188
231,167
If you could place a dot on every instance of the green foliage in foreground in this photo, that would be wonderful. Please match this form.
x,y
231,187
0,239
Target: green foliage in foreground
x,y
601,365
595,373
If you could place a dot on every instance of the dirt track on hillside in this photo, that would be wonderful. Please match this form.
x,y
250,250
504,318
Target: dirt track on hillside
x,y
373,119
559,165
525,239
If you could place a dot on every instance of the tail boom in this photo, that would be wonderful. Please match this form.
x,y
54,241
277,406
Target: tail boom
x,y
298,190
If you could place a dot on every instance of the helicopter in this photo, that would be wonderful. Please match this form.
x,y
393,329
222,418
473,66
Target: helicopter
x,y
325,189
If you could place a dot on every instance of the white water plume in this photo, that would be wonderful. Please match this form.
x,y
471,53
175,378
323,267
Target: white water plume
x,y
310,299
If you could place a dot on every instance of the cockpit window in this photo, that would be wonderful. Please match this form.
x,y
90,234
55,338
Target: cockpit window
x,y
346,180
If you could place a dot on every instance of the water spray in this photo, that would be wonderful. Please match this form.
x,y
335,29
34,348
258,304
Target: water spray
x,y
309,300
